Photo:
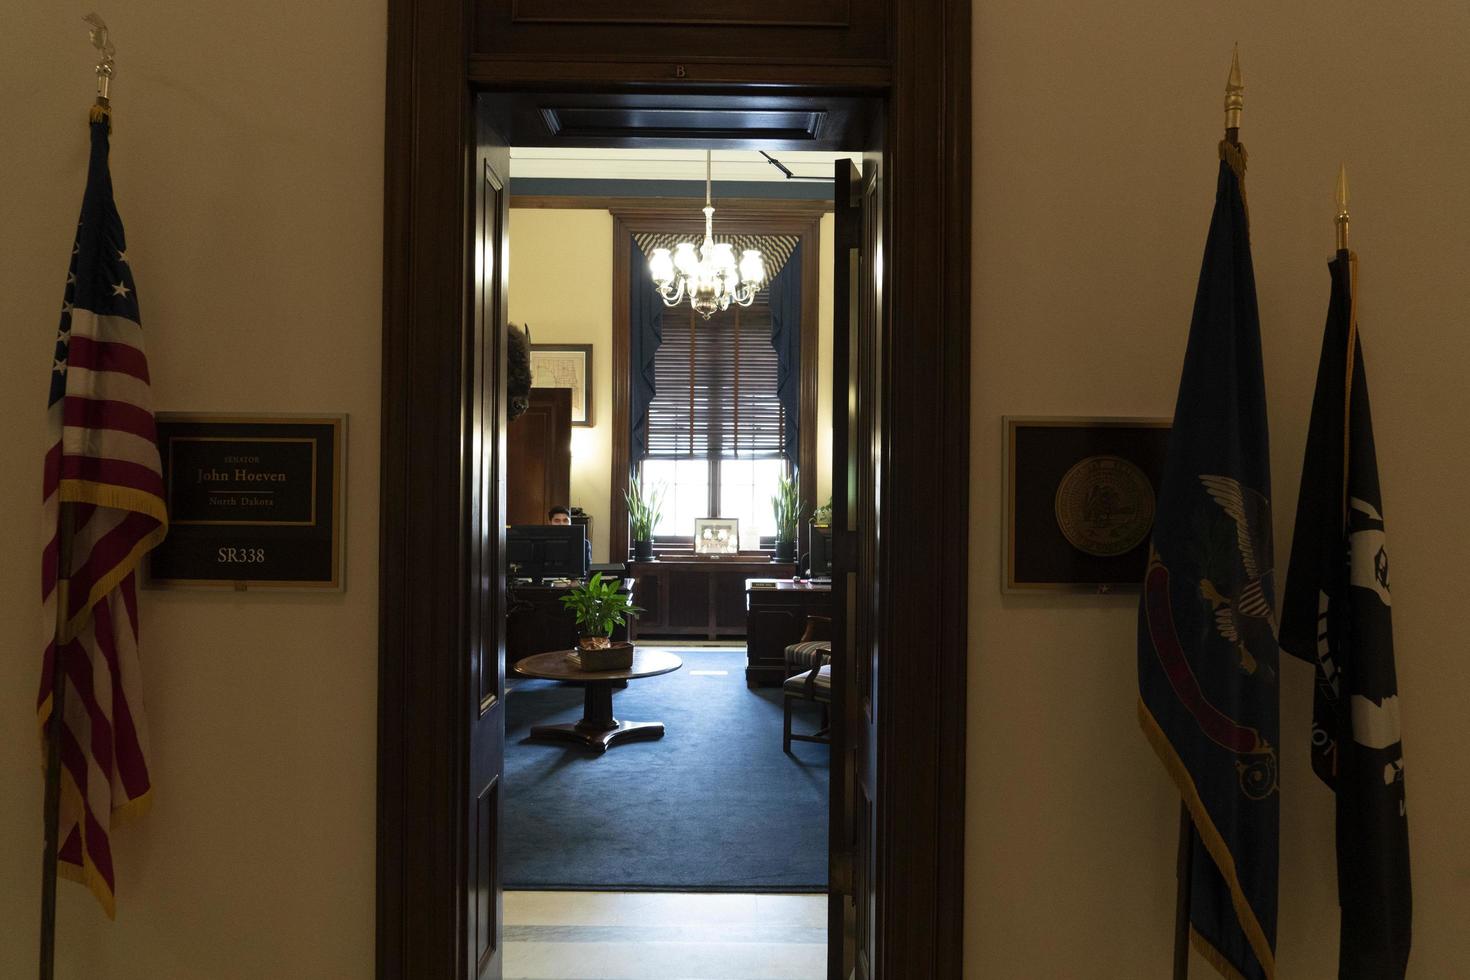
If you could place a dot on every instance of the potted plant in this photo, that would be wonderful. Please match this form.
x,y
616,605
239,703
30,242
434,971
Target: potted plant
x,y
786,506
599,606
822,516
643,516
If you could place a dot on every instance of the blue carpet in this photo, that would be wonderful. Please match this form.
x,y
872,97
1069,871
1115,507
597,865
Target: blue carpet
x,y
714,805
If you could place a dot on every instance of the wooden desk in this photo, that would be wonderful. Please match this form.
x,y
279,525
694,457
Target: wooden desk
x,y
598,729
697,597
536,621
776,618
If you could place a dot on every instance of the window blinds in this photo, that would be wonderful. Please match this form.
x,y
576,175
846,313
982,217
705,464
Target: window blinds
x,y
715,385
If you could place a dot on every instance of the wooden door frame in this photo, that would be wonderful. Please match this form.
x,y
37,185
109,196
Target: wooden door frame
x,y
423,676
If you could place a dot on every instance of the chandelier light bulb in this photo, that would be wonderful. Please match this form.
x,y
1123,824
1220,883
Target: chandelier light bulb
x,y
710,274
661,265
752,268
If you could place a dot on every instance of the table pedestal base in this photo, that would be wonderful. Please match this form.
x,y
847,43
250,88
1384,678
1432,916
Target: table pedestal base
x,y
601,738
598,729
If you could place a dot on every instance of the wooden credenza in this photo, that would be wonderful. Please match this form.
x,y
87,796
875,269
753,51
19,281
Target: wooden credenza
x,y
777,614
696,597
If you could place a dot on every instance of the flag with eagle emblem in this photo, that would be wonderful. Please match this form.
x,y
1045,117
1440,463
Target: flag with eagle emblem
x,y
1336,614
1207,650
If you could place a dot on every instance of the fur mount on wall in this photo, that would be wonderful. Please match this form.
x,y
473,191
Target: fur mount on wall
x,y
518,387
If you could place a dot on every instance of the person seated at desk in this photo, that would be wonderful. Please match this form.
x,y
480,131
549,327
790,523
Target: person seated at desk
x,y
560,515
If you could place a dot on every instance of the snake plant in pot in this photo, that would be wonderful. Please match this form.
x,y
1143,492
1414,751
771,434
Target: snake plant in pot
x,y
786,507
644,511
599,606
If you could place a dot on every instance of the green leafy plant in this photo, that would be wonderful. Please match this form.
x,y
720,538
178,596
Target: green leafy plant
x,y
644,510
822,516
786,507
599,606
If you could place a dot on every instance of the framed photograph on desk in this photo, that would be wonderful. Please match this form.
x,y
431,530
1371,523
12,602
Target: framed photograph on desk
x,y
716,536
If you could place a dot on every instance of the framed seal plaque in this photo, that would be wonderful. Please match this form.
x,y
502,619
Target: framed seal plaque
x,y
1080,499
254,501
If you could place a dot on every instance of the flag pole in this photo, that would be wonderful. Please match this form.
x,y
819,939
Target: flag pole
x,y
1184,863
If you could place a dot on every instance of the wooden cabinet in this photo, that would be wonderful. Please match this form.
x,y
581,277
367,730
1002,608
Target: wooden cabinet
x,y
776,617
696,597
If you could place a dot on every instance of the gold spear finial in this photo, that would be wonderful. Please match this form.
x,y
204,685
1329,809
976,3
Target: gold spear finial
x,y
1342,209
1234,99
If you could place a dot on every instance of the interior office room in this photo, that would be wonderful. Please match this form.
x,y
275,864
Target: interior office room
x,y
720,807
344,777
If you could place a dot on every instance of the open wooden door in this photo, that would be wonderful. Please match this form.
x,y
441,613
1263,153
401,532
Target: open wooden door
x,y
857,449
485,603
538,455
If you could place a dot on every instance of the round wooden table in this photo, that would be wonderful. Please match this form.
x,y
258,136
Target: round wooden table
x,y
598,728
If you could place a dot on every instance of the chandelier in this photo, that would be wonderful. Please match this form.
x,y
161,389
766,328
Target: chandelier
x,y
710,276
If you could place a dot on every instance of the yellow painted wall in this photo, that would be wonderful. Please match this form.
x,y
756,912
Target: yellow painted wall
x,y
561,286
1094,175
247,160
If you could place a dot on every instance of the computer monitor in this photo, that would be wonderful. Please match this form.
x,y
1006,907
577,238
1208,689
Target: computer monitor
x,y
819,562
538,551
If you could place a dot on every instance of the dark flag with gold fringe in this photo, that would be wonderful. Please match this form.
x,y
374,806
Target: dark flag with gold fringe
x,y
1207,651
1337,616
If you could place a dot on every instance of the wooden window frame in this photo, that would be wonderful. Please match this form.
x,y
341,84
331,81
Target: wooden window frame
x,y
684,543
775,217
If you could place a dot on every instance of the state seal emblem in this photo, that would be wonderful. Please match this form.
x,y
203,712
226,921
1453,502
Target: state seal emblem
x,y
1105,506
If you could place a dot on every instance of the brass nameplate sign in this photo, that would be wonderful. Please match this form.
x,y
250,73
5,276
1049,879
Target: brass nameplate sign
x,y
253,501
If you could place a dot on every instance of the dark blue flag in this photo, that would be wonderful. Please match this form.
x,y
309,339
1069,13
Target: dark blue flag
x,y
1337,614
1207,650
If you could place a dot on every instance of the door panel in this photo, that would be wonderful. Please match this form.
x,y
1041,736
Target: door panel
x,y
857,446
539,457
485,435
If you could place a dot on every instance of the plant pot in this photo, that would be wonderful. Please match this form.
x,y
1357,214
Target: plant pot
x,y
616,655
785,551
643,550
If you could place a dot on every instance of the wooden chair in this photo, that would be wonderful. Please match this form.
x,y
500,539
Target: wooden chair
x,y
809,670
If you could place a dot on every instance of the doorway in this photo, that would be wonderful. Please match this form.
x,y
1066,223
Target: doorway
x,y
439,907
720,804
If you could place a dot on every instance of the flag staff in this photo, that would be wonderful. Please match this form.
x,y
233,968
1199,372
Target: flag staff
x,y
1342,208
1184,864
65,517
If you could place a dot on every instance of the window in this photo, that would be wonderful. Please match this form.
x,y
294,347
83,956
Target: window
x,y
716,429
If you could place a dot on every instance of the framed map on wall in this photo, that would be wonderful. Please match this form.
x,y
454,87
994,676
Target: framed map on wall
x,y
565,366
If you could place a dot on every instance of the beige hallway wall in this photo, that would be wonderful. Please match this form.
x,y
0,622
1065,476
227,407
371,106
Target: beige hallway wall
x,y
1095,133
247,161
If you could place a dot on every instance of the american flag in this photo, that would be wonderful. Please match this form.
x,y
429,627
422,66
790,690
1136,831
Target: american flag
x,y
102,474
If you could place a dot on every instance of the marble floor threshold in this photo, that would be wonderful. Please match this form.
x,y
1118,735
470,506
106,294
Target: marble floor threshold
x,y
565,935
